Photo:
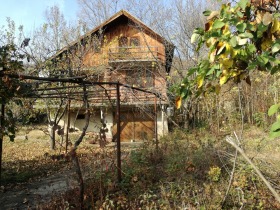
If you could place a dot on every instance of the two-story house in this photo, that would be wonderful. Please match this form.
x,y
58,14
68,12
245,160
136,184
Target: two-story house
x,y
124,50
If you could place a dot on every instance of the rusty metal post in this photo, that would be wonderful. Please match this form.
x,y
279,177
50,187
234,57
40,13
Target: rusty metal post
x,y
68,125
156,134
1,136
118,134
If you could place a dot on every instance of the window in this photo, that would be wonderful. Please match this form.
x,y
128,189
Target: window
x,y
123,41
134,41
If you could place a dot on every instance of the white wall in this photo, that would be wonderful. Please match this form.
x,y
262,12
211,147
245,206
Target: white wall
x,y
162,126
94,123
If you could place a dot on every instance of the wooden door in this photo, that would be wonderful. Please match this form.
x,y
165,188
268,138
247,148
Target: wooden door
x,y
135,125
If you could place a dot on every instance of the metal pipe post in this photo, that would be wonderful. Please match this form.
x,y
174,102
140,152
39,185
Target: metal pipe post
x,y
118,135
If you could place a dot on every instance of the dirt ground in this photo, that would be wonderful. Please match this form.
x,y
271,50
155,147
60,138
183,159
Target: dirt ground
x,y
30,152
30,195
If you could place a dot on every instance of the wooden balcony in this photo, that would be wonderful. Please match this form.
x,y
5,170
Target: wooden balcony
x,y
135,54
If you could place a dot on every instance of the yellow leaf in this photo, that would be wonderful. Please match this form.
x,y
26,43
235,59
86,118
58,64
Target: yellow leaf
x,y
266,43
178,102
228,49
226,63
259,16
210,42
234,53
226,30
223,79
208,25
220,47
200,81
213,15
212,56
235,73
275,26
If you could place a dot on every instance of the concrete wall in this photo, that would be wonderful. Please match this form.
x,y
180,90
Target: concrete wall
x,y
94,123
162,125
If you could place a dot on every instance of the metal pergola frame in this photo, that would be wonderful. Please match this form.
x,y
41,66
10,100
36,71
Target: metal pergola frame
x,y
78,82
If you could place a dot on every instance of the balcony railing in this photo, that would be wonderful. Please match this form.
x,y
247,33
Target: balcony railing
x,y
139,53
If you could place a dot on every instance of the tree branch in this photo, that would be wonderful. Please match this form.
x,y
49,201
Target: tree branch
x,y
231,141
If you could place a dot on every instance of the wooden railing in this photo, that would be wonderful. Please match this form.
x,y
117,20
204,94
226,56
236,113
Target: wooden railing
x,y
139,53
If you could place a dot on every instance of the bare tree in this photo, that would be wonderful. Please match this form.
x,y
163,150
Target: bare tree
x,y
94,12
45,42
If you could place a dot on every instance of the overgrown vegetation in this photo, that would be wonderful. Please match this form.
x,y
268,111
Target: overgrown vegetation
x,y
193,168
188,170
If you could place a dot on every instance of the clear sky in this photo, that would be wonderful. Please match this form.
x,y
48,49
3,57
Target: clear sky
x,y
30,13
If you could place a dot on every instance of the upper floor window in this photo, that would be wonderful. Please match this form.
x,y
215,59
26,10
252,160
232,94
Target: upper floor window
x,y
134,41
123,41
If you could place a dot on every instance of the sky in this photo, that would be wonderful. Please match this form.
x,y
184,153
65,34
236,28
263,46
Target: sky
x,y
30,13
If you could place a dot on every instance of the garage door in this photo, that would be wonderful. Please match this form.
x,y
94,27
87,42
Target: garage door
x,y
135,125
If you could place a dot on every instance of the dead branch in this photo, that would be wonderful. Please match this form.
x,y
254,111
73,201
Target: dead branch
x,y
231,141
231,176
77,143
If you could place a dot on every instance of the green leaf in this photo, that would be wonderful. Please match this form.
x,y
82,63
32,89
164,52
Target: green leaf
x,y
199,31
273,109
246,35
243,4
252,66
207,12
274,134
218,24
210,71
261,29
262,59
252,48
275,69
275,126
275,48
240,14
233,41
276,15
204,65
191,71
194,38
241,27
251,27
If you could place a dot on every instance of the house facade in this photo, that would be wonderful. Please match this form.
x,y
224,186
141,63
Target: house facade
x,y
124,50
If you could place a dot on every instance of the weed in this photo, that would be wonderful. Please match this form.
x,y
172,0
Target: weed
x,y
214,173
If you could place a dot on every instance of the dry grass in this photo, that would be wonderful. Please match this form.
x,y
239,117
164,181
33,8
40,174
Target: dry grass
x,y
35,145
178,174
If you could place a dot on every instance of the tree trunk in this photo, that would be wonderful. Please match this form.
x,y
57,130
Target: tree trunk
x,y
1,136
52,136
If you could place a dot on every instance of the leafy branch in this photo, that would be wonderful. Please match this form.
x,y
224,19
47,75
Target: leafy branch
x,y
240,39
